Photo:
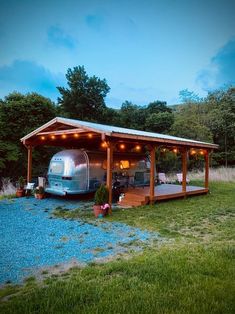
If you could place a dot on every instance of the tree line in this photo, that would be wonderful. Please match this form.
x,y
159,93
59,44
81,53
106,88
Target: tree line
x,y
211,119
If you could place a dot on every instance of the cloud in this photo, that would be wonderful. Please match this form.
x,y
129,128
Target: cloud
x,y
27,76
220,72
58,38
94,21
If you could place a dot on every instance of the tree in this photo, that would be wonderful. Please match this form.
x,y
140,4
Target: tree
x,y
187,96
221,121
132,116
190,128
84,99
190,122
159,122
110,116
157,107
19,115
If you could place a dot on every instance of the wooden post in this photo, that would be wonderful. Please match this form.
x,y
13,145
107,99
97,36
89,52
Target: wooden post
x,y
184,169
206,157
152,174
109,179
29,168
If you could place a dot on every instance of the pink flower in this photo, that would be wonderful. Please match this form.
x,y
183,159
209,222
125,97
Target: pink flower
x,y
105,206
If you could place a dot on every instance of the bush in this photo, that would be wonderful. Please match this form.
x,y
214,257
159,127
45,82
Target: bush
x,y
101,195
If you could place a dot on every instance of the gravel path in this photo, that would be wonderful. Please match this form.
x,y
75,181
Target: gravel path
x,y
32,240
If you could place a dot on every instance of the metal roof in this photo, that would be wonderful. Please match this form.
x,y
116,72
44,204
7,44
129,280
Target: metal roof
x,y
119,131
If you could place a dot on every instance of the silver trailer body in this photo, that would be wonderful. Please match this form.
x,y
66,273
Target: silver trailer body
x,y
77,171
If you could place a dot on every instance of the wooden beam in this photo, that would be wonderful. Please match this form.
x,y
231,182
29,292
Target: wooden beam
x,y
167,141
29,168
109,179
152,174
206,157
184,169
60,132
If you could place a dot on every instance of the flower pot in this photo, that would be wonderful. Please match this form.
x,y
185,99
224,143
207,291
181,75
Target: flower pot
x,y
105,209
98,212
19,192
39,196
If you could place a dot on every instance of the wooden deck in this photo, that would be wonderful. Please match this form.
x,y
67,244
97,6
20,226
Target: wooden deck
x,y
140,195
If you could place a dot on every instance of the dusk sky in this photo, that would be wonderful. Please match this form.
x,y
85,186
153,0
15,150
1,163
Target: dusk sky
x,y
146,50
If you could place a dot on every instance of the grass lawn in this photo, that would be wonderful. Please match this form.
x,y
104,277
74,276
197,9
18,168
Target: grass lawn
x,y
192,272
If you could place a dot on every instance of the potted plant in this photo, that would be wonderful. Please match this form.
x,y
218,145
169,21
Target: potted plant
x,y
101,206
39,192
20,187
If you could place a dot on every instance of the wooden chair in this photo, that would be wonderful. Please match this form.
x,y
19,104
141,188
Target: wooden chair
x,y
162,178
180,178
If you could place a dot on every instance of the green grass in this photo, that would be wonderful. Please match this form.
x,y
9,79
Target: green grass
x,y
192,272
3,197
202,218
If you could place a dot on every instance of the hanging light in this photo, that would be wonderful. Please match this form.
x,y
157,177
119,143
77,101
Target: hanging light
x,y
90,135
138,147
193,152
76,135
104,144
175,150
122,146
53,137
43,138
64,136
201,152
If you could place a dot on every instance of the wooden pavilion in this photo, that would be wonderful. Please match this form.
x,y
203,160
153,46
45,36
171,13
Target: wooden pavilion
x,y
70,133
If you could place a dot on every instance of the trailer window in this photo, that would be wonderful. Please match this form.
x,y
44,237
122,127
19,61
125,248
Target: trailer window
x,y
124,164
56,167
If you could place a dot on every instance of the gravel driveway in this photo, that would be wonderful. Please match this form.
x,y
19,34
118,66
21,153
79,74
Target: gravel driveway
x,y
31,239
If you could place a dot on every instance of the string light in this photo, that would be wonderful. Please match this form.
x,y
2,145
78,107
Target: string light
x,y
104,144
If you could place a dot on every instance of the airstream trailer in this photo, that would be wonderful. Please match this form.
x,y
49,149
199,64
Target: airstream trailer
x,y
77,171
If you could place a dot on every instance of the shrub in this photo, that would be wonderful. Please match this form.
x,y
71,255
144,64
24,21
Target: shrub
x,y
21,182
101,195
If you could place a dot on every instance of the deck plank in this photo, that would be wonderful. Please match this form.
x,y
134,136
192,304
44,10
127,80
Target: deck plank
x,y
140,195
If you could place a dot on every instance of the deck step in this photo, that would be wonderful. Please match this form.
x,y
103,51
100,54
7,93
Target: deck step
x,y
133,199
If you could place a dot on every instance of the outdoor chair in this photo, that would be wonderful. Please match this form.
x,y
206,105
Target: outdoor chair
x,y
162,178
139,179
180,178
29,188
42,182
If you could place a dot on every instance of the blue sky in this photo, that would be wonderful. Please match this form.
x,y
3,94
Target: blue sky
x,y
147,50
